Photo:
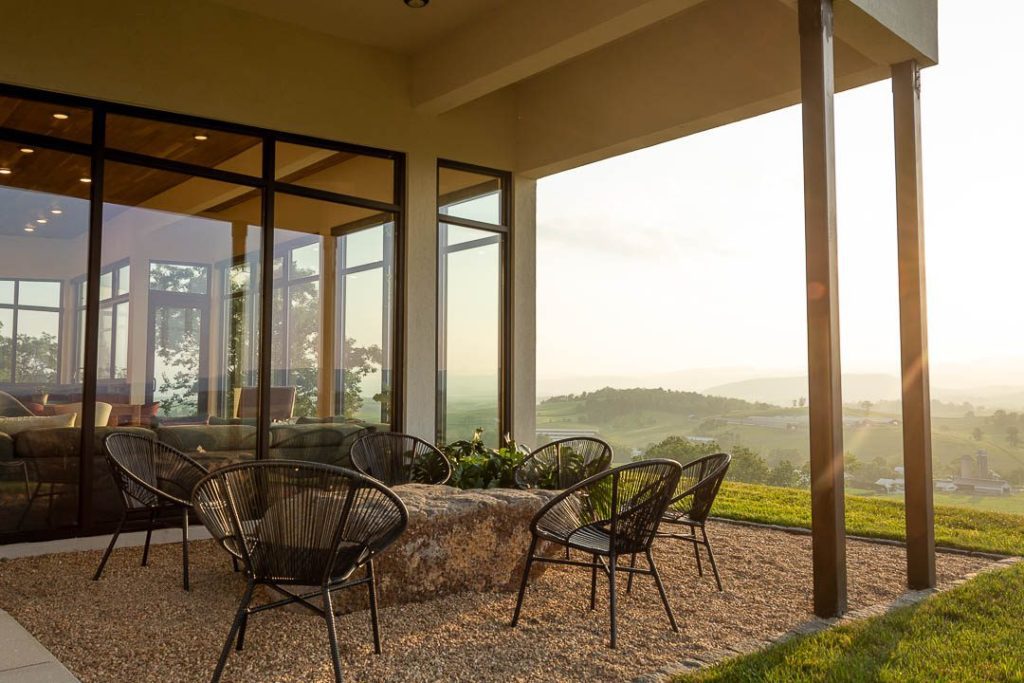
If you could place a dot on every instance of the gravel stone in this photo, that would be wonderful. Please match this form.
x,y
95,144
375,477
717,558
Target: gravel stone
x,y
136,624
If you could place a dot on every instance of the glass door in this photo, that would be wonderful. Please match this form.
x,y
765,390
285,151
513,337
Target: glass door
x,y
178,341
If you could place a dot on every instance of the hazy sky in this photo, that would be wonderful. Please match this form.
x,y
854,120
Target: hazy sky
x,y
690,254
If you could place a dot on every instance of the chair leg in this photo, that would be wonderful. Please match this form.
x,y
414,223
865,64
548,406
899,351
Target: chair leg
x,y
593,583
522,585
629,581
612,566
240,641
235,626
332,633
149,535
110,547
696,552
711,557
661,590
184,547
373,607
31,499
234,564
49,506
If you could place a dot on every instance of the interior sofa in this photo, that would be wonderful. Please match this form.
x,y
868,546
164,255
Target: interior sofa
x,y
215,445
50,462
48,458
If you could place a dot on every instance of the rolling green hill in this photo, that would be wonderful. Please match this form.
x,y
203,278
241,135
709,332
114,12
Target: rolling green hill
x,y
635,418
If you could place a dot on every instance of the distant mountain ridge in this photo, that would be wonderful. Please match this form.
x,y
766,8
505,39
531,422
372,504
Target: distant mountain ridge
x,y
782,391
989,389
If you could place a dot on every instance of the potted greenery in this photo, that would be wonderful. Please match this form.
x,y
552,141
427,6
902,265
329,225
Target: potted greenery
x,y
475,466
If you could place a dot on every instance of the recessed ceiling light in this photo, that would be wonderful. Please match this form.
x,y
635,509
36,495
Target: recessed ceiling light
x,y
26,150
417,4
60,116
41,221
85,180
56,212
200,137
5,171
29,228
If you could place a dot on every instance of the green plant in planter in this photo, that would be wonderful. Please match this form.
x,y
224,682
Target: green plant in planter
x,y
475,466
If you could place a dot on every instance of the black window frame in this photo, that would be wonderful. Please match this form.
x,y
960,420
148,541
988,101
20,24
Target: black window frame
x,y
266,184
386,265
112,302
501,234
17,306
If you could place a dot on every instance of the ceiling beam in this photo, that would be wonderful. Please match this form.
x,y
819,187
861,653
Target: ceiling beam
x,y
887,32
521,39
720,62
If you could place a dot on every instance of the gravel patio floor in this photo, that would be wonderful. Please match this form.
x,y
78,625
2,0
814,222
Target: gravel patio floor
x,y
138,625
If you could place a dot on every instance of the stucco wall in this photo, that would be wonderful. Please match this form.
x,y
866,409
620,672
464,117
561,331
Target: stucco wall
x,y
206,59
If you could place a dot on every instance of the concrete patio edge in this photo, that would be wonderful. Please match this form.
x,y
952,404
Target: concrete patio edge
x,y
23,659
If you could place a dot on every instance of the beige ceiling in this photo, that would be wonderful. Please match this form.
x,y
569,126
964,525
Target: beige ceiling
x,y
388,24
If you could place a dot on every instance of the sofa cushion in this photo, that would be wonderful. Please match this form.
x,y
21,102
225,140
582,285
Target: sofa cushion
x,y
190,438
102,412
133,414
214,420
314,435
16,425
65,442
324,443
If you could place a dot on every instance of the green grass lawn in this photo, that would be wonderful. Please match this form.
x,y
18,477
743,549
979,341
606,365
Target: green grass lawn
x,y
1013,504
955,527
971,633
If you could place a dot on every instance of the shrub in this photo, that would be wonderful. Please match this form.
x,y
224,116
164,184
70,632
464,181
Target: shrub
x,y
475,466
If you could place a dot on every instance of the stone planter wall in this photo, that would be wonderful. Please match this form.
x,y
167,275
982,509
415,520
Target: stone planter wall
x,y
456,541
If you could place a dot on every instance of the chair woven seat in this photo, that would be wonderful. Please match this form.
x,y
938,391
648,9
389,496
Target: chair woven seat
x,y
592,537
677,516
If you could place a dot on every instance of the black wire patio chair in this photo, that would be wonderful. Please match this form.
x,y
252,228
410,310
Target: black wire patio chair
x,y
293,523
698,487
608,515
395,459
560,464
155,480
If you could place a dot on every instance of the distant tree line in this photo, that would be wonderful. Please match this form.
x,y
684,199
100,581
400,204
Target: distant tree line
x,y
747,465
606,404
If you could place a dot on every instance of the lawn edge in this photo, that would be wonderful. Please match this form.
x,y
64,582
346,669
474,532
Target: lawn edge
x,y
804,531
703,660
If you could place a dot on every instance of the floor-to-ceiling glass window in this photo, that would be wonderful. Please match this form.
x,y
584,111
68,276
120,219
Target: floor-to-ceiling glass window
x,y
44,225
472,380
172,331
365,257
334,284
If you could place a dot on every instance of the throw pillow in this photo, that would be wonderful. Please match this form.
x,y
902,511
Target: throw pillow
x,y
16,425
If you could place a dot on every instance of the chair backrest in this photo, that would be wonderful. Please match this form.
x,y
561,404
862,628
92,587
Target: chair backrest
x,y
395,459
282,402
296,522
149,472
629,501
562,463
699,485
